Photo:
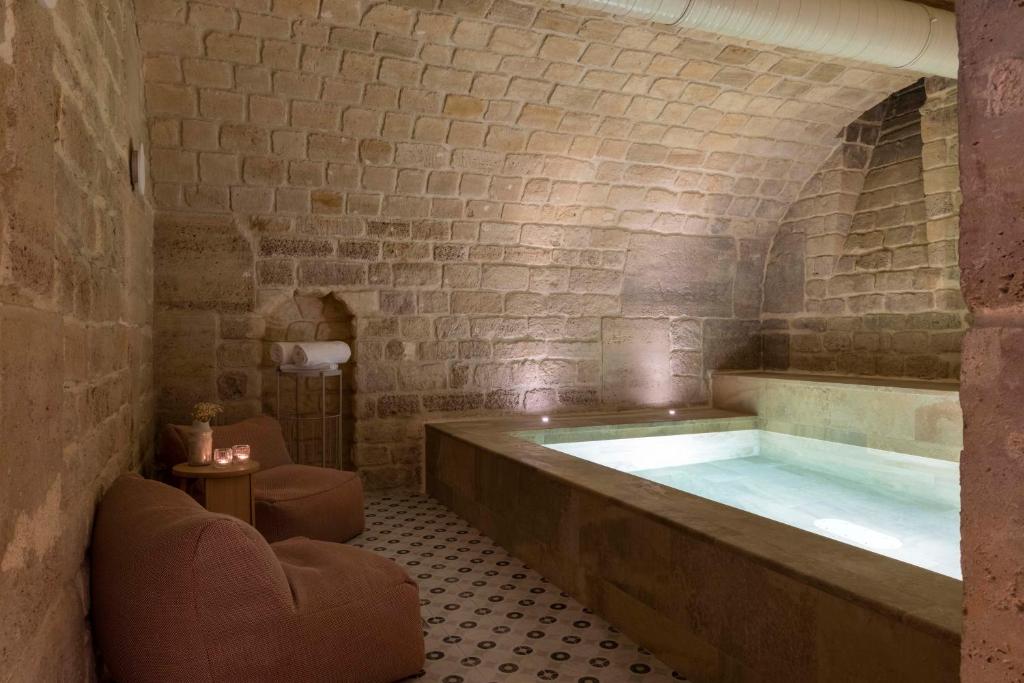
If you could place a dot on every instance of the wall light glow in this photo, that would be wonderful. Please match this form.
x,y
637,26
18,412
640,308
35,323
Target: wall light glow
x,y
545,419
672,411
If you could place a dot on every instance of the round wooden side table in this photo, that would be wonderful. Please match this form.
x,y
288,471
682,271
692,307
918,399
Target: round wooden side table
x,y
228,488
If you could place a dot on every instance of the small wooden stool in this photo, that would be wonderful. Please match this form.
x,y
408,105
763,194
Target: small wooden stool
x,y
228,489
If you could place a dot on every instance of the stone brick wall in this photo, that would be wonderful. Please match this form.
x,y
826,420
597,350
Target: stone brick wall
x,y
523,208
76,397
862,277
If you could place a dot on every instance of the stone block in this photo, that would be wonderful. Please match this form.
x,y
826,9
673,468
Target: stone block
x,y
909,257
502,399
202,262
416,376
359,250
677,275
333,148
590,280
686,363
417,274
232,48
750,275
396,405
244,138
325,202
32,348
784,275
732,344
331,274
263,171
636,356
476,302
497,328
316,116
516,278
463,106
843,285
242,327
909,302
291,246
186,343
461,276
474,349
453,402
239,354
544,280
775,350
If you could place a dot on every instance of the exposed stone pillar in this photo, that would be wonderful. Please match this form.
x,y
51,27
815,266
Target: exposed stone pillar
x,y
992,277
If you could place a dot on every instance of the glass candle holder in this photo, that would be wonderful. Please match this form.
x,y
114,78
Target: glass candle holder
x,y
222,457
242,452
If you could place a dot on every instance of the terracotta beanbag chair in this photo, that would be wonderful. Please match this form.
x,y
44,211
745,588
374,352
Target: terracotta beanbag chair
x,y
291,500
182,594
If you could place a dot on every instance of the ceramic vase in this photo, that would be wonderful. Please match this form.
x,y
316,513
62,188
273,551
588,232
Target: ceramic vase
x,y
200,444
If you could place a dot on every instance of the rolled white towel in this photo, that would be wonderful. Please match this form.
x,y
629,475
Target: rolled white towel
x,y
282,352
292,367
311,353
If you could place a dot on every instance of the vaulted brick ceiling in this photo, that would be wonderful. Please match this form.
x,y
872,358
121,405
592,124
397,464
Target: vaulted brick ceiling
x,y
585,119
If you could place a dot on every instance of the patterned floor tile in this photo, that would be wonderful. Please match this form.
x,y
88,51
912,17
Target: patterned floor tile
x,y
488,618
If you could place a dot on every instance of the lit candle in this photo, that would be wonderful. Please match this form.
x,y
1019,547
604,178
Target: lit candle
x,y
242,452
222,457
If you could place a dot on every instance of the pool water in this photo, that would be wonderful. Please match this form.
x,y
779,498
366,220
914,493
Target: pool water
x,y
902,506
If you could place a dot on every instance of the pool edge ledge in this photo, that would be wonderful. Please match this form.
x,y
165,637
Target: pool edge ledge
x,y
676,572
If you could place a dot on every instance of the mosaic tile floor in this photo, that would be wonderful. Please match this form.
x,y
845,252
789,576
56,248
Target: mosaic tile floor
x,y
488,618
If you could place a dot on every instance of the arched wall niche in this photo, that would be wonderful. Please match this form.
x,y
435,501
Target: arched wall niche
x,y
310,315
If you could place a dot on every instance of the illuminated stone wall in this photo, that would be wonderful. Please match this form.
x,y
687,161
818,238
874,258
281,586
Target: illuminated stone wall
x,y
523,208
76,304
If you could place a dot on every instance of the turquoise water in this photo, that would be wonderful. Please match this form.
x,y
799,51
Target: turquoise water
x,y
901,506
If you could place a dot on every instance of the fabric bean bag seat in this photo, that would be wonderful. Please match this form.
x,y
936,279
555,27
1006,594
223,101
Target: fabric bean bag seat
x,y
183,594
291,500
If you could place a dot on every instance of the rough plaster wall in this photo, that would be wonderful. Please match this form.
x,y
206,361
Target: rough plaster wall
x,y
992,389
76,400
862,277
523,208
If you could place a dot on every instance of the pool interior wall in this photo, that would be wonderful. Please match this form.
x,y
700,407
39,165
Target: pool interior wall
x,y
898,505
906,416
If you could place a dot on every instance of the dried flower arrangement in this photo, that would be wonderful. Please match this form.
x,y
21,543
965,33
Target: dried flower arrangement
x,y
204,412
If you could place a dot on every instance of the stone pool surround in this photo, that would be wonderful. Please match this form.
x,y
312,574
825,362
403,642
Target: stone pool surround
x,y
717,593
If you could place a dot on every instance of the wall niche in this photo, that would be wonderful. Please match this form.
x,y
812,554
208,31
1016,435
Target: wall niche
x,y
310,316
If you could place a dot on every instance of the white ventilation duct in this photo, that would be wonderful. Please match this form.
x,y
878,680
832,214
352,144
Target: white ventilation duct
x,y
892,33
